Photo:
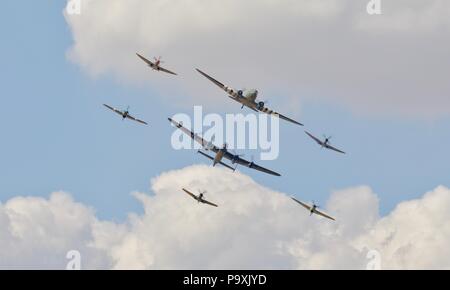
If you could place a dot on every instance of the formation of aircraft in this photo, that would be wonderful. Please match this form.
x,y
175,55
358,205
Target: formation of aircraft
x,y
200,197
325,143
312,209
247,98
221,153
125,114
155,65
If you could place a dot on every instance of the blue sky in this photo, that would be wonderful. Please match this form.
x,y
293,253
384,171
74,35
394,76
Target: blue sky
x,y
57,136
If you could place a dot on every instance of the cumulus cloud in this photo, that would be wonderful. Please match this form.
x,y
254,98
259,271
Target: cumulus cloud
x,y
307,50
415,234
37,232
253,228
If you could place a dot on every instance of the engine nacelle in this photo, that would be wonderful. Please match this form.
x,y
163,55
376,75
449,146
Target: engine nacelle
x,y
261,105
209,146
229,90
240,93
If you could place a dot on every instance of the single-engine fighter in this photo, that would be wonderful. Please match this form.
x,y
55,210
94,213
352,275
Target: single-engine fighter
x,y
247,98
200,197
313,209
125,114
155,65
221,152
325,143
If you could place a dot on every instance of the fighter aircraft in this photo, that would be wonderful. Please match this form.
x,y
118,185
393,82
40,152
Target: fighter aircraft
x,y
155,65
125,114
247,98
312,209
325,143
221,152
199,197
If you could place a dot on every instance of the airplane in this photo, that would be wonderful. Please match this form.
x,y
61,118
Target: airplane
x,y
325,143
155,65
313,209
221,152
199,198
247,98
125,114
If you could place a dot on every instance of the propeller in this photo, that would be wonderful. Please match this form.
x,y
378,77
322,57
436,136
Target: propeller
x,y
236,156
209,144
252,160
314,204
124,114
262,104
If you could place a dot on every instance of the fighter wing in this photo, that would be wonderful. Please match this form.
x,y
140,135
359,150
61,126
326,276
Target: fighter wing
x,y
314,138
335,149
234,95
166,71
135,119
191,194
151,64
195,137
208,202
271,112
252,165
301,203
113,109
324,215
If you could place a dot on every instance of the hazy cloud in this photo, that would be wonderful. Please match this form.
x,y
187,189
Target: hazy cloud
x,y
308,50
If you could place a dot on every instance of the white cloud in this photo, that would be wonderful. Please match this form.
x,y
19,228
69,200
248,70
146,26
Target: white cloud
x,y
416,234
38,233
253,227
327,50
